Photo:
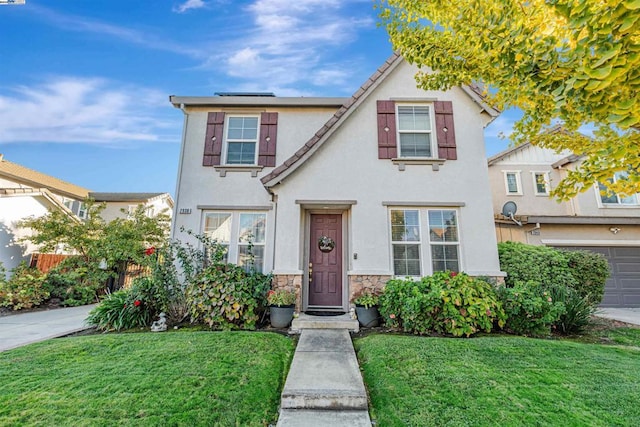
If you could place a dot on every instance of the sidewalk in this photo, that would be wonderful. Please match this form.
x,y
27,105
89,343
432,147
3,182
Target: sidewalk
x,y
22,329
627,315
324,386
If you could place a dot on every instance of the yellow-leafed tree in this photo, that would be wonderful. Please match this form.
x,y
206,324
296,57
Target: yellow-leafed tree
x,y
574,62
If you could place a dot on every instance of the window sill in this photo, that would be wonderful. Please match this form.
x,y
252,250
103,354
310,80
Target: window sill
x,y
618,206
403,162
254,169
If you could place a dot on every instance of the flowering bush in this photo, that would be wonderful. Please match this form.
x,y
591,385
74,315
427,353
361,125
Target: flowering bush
x,y
447,302
119,310
530,309
281,297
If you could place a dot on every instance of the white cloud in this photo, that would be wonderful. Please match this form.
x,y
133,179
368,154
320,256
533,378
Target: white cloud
x,y
189,4
86,25
289,44
84,110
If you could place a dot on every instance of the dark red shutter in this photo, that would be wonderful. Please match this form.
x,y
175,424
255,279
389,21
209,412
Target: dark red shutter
x,y
445,131
387,146
268,139
213,140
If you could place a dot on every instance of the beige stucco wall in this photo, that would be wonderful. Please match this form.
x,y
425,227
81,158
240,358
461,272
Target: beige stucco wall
x,y
347,167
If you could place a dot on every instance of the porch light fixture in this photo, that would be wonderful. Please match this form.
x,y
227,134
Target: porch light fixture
x,y
615,230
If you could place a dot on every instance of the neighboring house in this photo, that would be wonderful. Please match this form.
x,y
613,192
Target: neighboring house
x,y
119,205
593,220
28,193
341,194
23,193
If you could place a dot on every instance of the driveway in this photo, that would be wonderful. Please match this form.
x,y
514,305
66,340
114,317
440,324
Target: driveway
x,y
627,315
21,329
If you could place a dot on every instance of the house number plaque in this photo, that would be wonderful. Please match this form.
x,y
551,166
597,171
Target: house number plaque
x,y
326,244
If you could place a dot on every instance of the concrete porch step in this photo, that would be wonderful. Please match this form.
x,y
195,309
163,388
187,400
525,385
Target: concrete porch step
x,y
323,418
324,374
306,321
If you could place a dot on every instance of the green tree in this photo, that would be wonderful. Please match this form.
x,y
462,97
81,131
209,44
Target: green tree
x,y
571,61
93,240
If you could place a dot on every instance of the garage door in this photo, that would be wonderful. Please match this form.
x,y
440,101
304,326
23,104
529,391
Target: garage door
x,y
623,287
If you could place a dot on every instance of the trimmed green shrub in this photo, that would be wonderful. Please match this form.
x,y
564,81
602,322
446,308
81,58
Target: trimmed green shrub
x,y
73,283
591,271
447,303
577,312
226,296
541,264
120,310
530,309
24,289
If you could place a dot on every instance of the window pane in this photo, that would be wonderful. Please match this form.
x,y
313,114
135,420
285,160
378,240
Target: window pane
x,y
414,118
415,145
252,227
443,226
241,153
218,226
444,257
245,258
541,185
405,226
242,128
406,260
512,183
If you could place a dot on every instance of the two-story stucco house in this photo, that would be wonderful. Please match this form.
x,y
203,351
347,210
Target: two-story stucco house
x,y
338,194
593,220
120,205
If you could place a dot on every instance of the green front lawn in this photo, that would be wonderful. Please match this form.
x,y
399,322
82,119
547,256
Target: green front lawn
x,y
168,379
501,380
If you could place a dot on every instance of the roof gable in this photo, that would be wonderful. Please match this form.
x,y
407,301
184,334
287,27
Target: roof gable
x,y
324,133
37,179
528,153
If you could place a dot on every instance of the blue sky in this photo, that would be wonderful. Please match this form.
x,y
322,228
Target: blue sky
x,y
85,85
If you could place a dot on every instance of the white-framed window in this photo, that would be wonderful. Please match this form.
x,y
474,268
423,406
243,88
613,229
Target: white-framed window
x,y
241,140
251,240
444,240
242,233
540,183
441,250
82,211
217,225
415,131
405,242
512,183
607,198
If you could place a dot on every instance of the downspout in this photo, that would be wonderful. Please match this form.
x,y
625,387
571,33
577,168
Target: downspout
x,y
183,143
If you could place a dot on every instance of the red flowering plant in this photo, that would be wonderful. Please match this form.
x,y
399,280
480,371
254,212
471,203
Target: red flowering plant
x,y
150,251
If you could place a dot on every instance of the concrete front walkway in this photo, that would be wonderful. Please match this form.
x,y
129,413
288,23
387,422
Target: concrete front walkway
x,y
21,329
627,315
324,386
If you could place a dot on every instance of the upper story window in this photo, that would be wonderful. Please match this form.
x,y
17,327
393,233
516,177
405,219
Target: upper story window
x,y
415,131
614,199
541,183
512,183
241,140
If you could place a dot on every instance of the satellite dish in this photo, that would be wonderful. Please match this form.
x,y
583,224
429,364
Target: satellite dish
x,y
509,209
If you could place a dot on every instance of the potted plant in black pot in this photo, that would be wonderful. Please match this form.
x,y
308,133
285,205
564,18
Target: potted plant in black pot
x,y
367,308
281,307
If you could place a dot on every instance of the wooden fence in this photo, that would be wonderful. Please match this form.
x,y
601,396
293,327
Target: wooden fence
x,y
45,262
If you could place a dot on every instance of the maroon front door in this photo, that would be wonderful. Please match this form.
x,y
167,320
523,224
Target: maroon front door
x,y
325,260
